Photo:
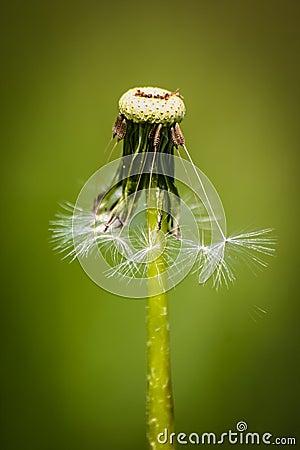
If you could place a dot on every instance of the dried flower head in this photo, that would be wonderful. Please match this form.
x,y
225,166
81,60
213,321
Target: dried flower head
x,y
152,105
107,229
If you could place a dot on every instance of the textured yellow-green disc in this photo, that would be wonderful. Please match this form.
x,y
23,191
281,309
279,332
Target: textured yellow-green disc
x,y
152,105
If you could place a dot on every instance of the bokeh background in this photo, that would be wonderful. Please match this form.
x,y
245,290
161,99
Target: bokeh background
x,y
73,355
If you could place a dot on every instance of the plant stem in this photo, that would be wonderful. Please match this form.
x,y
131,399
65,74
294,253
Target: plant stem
x,y
160,415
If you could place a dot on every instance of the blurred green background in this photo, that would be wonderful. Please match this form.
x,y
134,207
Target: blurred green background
x,y
73,355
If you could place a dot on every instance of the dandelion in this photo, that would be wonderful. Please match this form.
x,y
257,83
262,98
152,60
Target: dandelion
x,y
133,223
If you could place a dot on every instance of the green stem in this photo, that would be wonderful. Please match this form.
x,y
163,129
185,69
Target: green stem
x,y
160,415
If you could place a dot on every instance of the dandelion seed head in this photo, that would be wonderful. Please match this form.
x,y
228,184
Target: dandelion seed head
x,y
108,230
152,105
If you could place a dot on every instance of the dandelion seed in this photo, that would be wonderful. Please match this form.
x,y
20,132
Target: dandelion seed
x,y
249,248
257,313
